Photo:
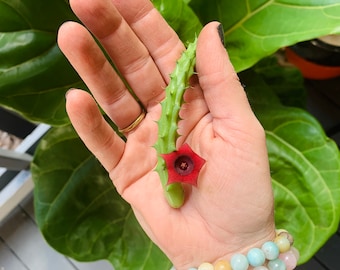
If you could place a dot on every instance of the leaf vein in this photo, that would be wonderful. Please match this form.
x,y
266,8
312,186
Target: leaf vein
x,y
310,165
249,15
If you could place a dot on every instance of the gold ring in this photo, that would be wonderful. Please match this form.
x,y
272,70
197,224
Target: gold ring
x,y
134,124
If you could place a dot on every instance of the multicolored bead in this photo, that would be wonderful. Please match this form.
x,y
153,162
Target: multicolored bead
x,y
270,250
256,257
222,265
283,243
276,264
289,259
206,266
239,262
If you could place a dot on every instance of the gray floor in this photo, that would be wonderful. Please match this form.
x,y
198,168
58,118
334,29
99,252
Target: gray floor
x,y
23,248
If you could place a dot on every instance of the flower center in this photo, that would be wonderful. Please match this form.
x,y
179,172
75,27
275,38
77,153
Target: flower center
x,y
184,165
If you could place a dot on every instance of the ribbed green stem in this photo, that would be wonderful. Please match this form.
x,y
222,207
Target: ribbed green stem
x,y
168,123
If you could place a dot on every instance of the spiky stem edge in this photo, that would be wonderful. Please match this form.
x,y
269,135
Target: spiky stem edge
x,y
168,122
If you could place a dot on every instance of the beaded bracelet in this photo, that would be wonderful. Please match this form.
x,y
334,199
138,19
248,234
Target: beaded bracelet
x,y
278,254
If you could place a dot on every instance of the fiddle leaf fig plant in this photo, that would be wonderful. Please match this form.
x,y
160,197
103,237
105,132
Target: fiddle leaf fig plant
x,y
77,208
80,213
34,75
306,186
255,29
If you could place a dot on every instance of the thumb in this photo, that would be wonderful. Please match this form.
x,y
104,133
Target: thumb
x,y
222,89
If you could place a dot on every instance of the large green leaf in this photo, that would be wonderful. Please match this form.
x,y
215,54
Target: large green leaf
x,y
34,75
79,212
180,17
285,80
306,172
257,28
305,169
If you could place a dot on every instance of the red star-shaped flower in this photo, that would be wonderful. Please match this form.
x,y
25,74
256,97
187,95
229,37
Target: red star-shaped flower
x,y
183,165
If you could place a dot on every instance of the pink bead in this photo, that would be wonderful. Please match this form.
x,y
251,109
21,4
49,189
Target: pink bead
x,y
296,253
289,259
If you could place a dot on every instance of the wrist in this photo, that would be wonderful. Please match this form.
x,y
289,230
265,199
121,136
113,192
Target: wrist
x,y
274,253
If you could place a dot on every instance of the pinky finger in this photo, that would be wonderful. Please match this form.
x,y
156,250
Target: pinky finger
x,y
95,132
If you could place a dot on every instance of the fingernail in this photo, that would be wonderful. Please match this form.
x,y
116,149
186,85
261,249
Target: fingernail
x,y
220,31
68,91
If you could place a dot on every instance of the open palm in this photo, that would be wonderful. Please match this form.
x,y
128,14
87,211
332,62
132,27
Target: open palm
x,y
232,207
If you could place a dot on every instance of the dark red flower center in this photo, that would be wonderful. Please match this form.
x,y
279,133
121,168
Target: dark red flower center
x,y
184,165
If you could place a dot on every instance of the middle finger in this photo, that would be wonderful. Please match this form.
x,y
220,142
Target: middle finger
x,y
128,53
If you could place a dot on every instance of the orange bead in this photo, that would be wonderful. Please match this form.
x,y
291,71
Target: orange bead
x,y
222,265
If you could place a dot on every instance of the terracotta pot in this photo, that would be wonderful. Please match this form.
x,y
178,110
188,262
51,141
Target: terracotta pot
x,y
318,58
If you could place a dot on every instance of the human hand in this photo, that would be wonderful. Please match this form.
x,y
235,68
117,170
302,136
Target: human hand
x,y
231,210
